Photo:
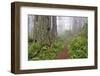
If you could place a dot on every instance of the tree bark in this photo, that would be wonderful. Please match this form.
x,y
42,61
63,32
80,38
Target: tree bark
x,y
42,27
54,27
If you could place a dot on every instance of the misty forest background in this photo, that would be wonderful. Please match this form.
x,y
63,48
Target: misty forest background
x,y
57,37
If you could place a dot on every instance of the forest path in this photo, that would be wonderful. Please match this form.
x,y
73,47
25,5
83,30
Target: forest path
x,y
63,54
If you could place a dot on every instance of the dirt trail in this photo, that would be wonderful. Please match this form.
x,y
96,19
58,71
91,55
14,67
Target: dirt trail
x,y
63,54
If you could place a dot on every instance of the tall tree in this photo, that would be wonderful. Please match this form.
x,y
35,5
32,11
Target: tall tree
x,y
42,27
30,26
54,27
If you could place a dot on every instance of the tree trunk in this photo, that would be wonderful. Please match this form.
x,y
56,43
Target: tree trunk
x,y
42,27
54,28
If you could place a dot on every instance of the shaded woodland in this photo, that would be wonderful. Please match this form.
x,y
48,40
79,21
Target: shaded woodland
x,y
57,37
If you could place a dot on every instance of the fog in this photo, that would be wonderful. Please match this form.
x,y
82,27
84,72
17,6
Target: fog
x,y
63,23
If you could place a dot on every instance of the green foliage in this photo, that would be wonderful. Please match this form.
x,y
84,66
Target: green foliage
x,y
33,49
78,46
44,52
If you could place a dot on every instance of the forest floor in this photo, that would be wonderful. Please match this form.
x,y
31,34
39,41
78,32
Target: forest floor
x,y
63,54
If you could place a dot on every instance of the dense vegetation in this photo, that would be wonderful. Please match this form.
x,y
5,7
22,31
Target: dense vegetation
x,y
44,52
78,46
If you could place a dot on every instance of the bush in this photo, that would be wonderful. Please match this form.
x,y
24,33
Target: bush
x,y
44,52
78,46
33,50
